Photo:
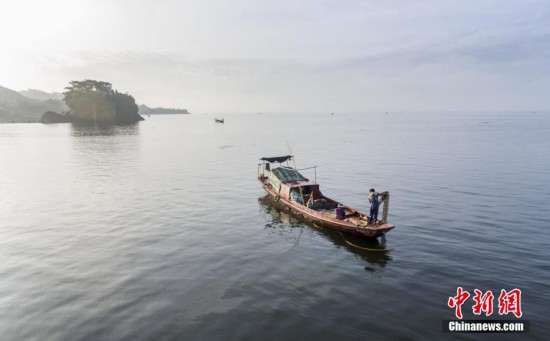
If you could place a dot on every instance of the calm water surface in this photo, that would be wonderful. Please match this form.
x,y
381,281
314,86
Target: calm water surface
x,y
156,231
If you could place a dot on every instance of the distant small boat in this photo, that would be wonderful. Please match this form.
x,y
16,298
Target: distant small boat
x,y
292,191
218,121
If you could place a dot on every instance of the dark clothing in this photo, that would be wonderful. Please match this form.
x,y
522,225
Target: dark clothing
x,y
340,213
373,217
374,204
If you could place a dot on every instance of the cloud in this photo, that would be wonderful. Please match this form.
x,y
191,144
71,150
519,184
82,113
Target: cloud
x,y
296,56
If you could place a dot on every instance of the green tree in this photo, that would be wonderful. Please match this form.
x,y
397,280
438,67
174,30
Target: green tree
x,y
96,101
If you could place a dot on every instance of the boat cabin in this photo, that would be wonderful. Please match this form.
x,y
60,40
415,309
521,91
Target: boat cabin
x,y
301,192
291,185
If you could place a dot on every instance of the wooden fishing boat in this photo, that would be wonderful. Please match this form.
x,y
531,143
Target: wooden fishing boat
x,y
218,120
290,189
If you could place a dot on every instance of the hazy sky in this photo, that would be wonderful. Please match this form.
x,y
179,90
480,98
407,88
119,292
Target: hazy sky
x,y
269,56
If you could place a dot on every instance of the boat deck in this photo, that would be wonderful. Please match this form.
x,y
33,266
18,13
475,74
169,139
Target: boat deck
x,y
353,217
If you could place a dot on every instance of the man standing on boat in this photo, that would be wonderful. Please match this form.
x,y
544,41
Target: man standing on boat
x,y
374,204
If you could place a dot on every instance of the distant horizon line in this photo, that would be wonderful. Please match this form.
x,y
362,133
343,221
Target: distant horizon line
x,y
329,112
375,111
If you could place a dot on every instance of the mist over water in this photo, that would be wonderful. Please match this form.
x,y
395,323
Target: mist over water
x,y
156,231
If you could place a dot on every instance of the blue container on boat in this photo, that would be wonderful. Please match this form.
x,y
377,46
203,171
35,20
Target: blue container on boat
x,y
340,213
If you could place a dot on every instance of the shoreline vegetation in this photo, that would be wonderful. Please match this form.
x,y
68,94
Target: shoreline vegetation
x,y
83,102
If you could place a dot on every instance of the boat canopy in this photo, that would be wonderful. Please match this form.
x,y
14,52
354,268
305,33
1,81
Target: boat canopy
x,y
278,159
285,174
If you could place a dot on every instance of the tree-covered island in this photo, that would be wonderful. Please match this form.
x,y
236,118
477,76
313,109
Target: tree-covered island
x,y
93,101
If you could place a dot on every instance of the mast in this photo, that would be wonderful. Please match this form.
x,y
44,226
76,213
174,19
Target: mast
x,y
296,173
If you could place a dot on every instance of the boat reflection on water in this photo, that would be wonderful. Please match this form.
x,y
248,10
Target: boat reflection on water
x,y
282,219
